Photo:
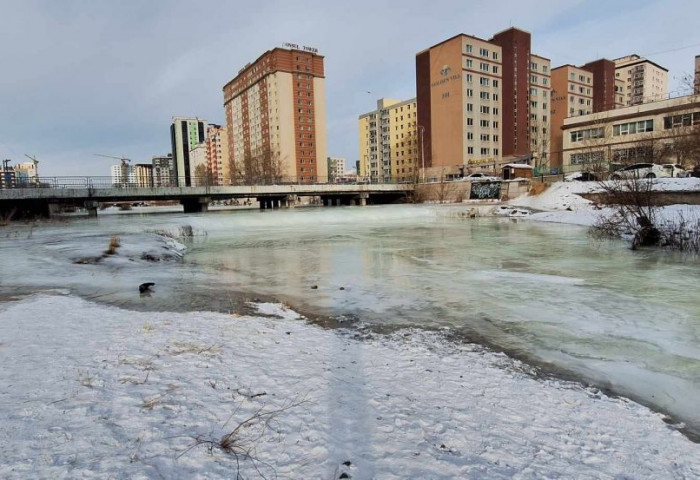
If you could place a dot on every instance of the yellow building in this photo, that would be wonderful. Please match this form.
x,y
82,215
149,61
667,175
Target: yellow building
x,y
389,143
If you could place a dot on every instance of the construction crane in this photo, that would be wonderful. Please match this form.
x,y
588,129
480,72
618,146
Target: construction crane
x,y
124,162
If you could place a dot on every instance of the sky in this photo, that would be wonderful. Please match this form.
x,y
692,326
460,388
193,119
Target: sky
x,y
80,77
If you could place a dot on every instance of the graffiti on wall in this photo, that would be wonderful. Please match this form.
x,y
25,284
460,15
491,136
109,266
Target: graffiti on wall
x,y
485,190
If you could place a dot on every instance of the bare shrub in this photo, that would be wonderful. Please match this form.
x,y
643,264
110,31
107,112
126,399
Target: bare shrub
x,y
634,214
681,233
6,218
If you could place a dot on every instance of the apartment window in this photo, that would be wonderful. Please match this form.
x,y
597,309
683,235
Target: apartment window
x,y
485,137
633,127
495,69
485,109
469,78
470,150
533,78
495,95
484,67
683,120
495,83
470,121
469,63
485,150
533,66
495,56
470,92
545,81
495,110
485,123
469,48
483,52
590,133
484,95
545,68
470,107
484,81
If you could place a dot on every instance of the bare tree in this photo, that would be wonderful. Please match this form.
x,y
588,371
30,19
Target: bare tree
x,y
262,168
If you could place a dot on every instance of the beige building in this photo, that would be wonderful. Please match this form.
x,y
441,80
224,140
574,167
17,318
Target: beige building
x,y
276,118
389,141
572,96
696,83
540,109
217,155
143,174
198,166
644,80
665,131
459,105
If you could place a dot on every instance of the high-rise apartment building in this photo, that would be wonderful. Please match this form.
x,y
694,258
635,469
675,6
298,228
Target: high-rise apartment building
x,y
163,171
122,175
336,168
143,175
389,141
459,89
276,117
644,80
696,83
198,164
572,95
608,89
218,164
527,87
185,134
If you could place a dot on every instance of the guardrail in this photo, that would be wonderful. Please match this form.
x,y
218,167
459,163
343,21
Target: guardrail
x,y
109,182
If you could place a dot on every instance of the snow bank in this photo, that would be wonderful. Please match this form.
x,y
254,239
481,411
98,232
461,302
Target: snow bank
x,y
93,391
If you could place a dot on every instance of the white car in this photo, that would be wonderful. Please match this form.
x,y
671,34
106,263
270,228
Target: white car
x,y
640,170
480,177
674,170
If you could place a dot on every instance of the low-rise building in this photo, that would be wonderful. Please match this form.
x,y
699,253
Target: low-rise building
x,y
666,131
198,166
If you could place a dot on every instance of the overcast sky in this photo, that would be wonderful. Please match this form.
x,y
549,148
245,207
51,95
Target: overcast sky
x,y
91,76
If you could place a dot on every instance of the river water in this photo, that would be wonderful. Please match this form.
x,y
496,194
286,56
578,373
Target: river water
x,y
596,311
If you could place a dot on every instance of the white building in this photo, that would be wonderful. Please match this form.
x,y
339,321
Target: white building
x,y
644,80
336,168
123,175
185,134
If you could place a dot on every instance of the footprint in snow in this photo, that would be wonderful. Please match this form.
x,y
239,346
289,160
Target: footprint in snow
x,y
344,469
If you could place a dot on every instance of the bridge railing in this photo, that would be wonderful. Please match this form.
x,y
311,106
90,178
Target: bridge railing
x,y
183,182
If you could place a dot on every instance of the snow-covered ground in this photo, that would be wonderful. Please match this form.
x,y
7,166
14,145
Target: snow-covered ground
x,y
562,203
91,391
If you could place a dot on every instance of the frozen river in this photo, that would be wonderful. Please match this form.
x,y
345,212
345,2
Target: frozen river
x,y
626,321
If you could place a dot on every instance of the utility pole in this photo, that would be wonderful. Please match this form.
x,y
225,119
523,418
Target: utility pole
x,y
422,151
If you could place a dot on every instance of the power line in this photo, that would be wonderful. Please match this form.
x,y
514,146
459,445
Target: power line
x,y
671,50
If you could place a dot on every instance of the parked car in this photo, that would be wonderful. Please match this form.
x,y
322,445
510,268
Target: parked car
x,y
675,170
640,170
480,177
695,172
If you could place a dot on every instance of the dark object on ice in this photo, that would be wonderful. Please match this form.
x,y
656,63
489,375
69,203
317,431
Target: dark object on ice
x,y
145,287
314,287
341,288
344,475
348,463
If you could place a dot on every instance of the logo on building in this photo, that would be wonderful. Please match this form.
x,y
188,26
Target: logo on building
x,y
445,70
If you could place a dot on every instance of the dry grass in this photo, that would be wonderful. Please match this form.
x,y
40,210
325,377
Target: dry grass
x,y
7,217
538,187
179,348
114,244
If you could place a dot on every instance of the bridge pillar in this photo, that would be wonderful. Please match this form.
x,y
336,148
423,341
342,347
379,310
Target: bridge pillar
x,y
195,205
289,201
91,207
363,199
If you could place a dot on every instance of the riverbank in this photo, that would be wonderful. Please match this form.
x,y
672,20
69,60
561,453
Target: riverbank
x,y
99,391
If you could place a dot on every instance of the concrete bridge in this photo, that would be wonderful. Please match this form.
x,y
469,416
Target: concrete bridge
x,y
38,198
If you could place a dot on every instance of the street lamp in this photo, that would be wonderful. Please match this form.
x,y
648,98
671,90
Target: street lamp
x,y
422,151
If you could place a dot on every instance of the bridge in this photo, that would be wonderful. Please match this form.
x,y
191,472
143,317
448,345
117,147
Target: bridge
x,y
37,197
